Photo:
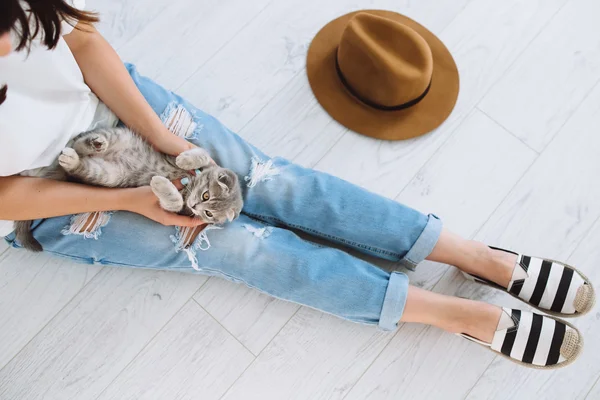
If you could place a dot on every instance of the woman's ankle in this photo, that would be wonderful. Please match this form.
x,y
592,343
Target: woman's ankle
x,y
474,318
452,314
474,258
495,265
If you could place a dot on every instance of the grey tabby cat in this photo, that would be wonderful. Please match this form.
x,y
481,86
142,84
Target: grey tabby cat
x,y
117,157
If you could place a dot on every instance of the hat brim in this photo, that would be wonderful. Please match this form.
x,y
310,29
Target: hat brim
x,y
417,120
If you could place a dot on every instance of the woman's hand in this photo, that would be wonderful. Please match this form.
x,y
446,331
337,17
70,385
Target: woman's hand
x,y
105,74
143,201
169,143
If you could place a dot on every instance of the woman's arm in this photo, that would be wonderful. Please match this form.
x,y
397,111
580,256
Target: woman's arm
x,y
108,78
26,198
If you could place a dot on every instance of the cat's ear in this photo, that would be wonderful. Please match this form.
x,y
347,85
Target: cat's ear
x,y
226,179
230,214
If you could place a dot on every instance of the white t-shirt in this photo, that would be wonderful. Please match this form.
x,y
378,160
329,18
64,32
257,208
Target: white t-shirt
x,y
47,104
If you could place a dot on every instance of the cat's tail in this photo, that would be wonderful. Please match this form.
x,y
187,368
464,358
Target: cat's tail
x,y
25,236
23,228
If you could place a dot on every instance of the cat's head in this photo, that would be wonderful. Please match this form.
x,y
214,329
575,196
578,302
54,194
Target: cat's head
x,y
214,195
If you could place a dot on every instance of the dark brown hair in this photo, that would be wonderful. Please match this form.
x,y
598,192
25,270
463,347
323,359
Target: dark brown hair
x,y
40,17
3,90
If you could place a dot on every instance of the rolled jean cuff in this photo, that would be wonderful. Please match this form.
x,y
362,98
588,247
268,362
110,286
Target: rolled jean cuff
x,y
424,244
394,301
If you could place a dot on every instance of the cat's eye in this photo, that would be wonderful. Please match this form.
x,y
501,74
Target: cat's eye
x,y
205,196
208,214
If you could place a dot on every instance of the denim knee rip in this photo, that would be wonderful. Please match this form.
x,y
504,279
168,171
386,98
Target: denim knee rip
x,y
184,241
88,225
180,121
260,171
261,233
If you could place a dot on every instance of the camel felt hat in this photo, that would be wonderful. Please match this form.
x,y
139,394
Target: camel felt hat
x,y
382,74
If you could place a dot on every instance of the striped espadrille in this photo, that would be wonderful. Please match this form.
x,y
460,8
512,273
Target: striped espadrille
x,y
534,340
550,286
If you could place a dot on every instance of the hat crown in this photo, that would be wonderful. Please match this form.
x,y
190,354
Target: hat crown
x,y
384,61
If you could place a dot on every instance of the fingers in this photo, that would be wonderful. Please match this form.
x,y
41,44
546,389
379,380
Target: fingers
x,y
191,222
180,183
181,220
187,221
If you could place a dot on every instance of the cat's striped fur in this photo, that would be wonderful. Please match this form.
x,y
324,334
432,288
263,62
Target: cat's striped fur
x,y
117,157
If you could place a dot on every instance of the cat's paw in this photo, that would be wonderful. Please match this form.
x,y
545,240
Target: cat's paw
x,y
98,143
68,159
91,143
169,197
193,159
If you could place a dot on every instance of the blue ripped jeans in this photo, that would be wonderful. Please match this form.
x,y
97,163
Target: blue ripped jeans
x,y
257,248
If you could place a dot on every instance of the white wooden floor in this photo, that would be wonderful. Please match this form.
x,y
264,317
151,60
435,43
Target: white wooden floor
x,y
517,165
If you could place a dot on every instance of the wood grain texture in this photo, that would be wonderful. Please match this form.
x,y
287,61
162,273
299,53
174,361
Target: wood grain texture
x,y
3,246
184,37
485,39
595,392
423,362
33,289
192,357
122,333
120,21
316,356
534,104
272,51
551,217
307,132
97,334
466,180
555,204
568,383
304,136
470,175
252,317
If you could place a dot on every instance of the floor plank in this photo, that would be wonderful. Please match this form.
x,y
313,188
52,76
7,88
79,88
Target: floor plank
x,y
33,289
120,21
540,103
595,392
272,49
307,132
466,192
3,246
551,217
471,192
527,218
423,362
466,180
316,356
252,317
139,334
553,207
99,332
573,382
180,48
304,136
193,357
470,175
485,39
